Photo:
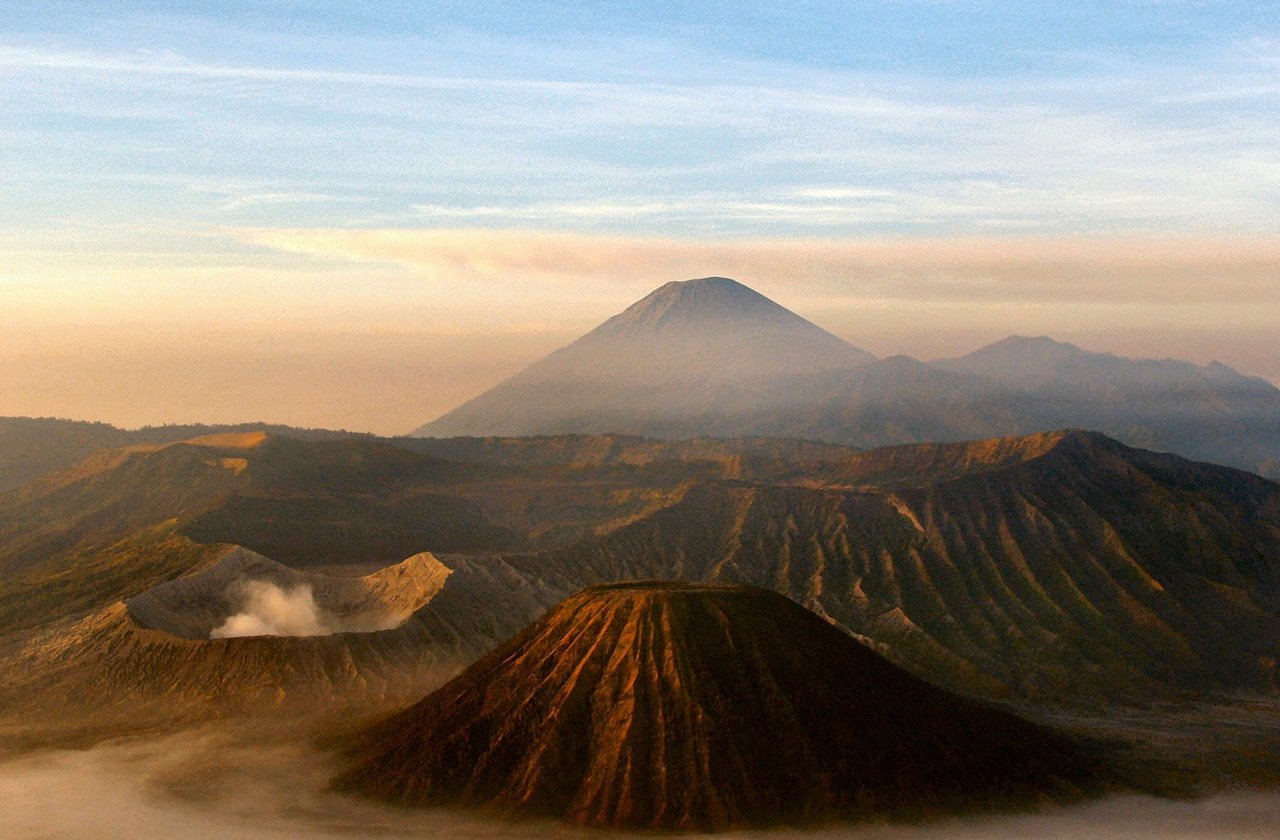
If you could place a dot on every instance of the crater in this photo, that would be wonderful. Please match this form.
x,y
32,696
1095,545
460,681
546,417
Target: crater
x,y
247,594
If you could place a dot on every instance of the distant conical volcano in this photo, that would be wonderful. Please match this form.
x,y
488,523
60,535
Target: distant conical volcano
x,y
679,706
683,356
711,357
716,308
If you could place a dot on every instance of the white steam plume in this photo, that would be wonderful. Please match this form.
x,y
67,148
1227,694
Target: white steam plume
x,y
269,610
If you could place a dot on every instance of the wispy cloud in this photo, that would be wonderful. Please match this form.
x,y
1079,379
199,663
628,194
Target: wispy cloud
x,y
660,146
268,198
164,63
1153,271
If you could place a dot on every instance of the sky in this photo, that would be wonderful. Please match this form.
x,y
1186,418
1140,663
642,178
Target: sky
x,y
357,215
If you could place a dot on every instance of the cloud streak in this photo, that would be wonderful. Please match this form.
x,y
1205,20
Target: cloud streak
x,y
1151,271
726,146
165,63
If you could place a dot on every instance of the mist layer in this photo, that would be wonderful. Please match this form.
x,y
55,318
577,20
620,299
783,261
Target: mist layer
x,y
211,785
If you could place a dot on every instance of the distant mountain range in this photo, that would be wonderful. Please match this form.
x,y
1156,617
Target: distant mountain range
x,y
712,357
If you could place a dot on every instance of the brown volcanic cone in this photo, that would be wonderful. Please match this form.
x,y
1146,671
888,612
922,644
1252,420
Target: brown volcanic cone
x,y
666,705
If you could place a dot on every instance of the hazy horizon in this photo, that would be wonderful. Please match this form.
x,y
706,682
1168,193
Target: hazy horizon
x,y
389,382
361,217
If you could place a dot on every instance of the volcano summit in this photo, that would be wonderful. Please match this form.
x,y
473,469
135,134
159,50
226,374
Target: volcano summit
x,y
681,358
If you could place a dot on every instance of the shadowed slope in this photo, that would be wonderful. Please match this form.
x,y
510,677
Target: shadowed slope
x,y
31,447
663,705
301,502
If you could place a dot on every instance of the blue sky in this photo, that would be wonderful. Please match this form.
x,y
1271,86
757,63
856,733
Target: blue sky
x,y
431,169
676,119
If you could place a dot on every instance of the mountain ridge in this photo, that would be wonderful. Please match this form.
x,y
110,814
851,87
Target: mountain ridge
x,y
1019,360
1004,582
1062,569
645,372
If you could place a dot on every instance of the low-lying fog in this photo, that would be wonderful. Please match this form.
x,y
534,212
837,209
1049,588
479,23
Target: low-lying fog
x,y
211,785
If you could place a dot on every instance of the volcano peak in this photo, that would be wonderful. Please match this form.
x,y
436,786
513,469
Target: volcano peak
x,y
693,348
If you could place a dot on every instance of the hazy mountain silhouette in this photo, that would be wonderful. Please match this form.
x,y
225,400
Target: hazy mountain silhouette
x,y
1033,362
688,349
674,706
711,357
1208,411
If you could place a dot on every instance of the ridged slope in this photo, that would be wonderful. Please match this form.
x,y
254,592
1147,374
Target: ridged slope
x,y
1062,567
671,706
1091,570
